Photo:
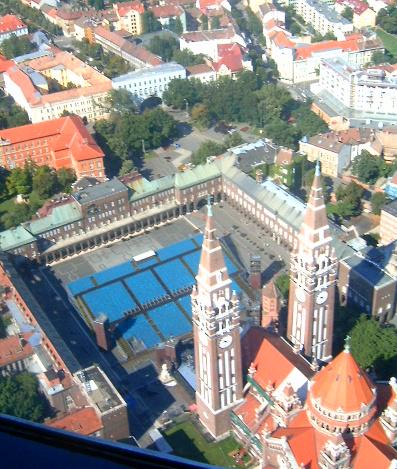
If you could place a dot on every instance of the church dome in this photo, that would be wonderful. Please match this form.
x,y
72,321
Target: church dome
x,y
342,397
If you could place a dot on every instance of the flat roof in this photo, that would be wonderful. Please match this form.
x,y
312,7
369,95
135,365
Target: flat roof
x,y
99,191
150,72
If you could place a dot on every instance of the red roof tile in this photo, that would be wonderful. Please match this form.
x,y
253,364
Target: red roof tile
x,y
84,421
9,23
14,348
167,11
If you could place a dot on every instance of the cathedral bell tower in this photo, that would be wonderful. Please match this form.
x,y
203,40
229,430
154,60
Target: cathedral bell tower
x,y
313,276
217,349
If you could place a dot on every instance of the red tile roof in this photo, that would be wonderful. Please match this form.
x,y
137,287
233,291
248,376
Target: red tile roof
x,y
342,384
198,69
358,6
5,64
9,23
70,139
230,56
349,44
125,7
14,348
167,11
84,421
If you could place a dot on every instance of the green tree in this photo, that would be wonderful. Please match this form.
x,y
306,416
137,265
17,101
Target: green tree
x,y
122,101
215,22
206,149
126,167
65,178
44,181
307,122
367,167
349,200
163,47
374,345
175,25
18,214
254,24
282,284
19,181
348,13
150,22
186,58
200,115
233,140
15,46
379,58
20,397
181,91
387,19
378,200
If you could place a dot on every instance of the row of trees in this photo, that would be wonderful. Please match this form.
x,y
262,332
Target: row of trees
x,y
109,64
11,115
125,136
247,99
37,184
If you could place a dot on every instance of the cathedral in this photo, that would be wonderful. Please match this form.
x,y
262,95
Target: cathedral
x,y
287,401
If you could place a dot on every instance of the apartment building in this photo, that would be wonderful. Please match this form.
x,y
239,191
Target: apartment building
x,y
86,97
129,16
388,223
11,25
336,150
323,18
59,143
370,90
150,81
363,15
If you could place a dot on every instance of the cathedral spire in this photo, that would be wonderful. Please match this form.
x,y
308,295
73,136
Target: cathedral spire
x,y
212,272
216,332
313,276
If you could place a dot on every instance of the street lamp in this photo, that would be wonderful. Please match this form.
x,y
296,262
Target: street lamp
x,y
143,146
187,105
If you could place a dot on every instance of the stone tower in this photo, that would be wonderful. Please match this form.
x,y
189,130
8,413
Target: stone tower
x,y
313,276
217,349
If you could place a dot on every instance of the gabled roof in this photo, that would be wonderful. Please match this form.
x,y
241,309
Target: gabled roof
x,y
10,23
84,421
167,11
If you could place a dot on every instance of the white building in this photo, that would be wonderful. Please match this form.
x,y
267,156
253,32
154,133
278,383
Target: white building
x,y
369,90
149,81
323,18
11,25
206,42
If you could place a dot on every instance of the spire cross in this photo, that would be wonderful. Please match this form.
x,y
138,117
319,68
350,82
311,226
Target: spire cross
x,y
347,344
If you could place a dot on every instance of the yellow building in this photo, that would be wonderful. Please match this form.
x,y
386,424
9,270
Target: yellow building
x,y
129,16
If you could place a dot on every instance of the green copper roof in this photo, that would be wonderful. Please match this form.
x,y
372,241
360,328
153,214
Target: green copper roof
x,y
15,237
196,175
59,216
142,187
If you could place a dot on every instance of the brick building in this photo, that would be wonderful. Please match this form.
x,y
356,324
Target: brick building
x,y
59,143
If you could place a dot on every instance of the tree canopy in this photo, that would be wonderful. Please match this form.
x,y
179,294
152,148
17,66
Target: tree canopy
x,y
378,200
369,168
164,47
15,46
282,284
387,19
150,22
20,397
348,13
375,345
348,201
121,136
206,149
247,99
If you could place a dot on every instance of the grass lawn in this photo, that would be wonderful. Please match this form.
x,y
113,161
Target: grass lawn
x,y
188,442
389,41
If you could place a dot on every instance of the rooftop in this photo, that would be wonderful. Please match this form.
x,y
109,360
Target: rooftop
x,y
14,348
99,191
99,389
84,421
328,12
213,35
167,11
151,72
9,23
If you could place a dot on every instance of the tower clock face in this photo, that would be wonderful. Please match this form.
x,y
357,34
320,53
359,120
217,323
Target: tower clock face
x,y
225,341
300,294
322,297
